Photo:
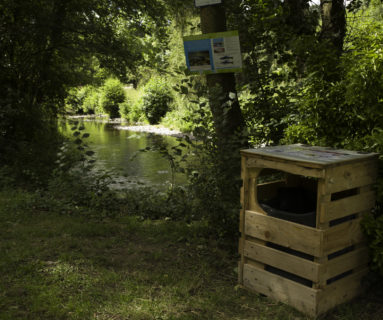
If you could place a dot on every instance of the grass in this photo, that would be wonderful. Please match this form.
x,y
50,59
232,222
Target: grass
x,y
56,266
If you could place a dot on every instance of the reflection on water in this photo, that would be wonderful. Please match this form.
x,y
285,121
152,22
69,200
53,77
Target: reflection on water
x,y
114,150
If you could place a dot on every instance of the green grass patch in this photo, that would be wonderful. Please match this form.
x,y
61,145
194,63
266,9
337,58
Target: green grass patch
x,y
56,266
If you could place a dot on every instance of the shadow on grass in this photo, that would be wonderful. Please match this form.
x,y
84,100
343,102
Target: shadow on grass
x,y
69,267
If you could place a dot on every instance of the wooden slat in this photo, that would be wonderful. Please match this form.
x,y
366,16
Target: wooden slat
x,y
282,260
286,166
244,204
309,155
284,233
253,173
301,297
342,236
347,206
322,199
346,262
351,176
340,291
252,195
243,193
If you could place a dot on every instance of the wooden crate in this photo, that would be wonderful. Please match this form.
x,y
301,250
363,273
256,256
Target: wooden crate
x,y
310,268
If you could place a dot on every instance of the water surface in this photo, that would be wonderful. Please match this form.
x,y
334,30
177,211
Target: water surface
x,y
116,151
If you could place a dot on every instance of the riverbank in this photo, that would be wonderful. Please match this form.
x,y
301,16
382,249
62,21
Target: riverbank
x,y
153,129
120,124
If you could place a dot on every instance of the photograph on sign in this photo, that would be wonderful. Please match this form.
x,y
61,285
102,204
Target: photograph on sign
x,y
218,45
198,55
200,59
202,3
214,52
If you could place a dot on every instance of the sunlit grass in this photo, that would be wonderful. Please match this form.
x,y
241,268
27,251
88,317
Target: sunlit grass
x,y
56,266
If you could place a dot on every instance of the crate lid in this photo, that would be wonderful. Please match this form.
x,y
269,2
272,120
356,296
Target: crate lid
x,y
310,154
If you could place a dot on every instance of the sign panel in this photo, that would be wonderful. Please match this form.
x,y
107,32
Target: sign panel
x,y
201,3
213,52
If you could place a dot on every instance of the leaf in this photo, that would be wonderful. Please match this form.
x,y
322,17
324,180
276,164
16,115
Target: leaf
x,y
232,95
184,90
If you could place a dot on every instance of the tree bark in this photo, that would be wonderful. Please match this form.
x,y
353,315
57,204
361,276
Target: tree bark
x,y
333,14
227,116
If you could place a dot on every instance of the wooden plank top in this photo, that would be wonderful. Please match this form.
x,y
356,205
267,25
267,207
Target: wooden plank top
x,y
309,154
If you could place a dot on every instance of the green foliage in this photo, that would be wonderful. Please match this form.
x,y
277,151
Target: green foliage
x,y
112,94
124,108
48,47
83,100
373,227
343,111
91,103
156,100
152,203
339,103
214,175
77,182
74,101
131,108
277,39
29,141
136,112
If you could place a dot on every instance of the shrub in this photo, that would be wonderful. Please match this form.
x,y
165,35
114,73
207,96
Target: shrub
x,y
112,94
373,227
124,108
77,183
156,100
91,103
75,99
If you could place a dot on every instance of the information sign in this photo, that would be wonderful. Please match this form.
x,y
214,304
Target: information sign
x,y
213,52
201,3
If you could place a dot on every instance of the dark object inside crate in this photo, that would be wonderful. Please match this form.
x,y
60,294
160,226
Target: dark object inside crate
x,y
294,204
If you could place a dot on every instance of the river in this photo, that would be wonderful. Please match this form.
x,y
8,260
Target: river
x,y
116,152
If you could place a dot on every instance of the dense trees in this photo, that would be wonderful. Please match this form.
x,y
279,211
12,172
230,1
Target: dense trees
x,y
292,50
48,47
312,72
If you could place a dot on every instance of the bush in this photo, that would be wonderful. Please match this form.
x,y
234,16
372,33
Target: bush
x,y
75,99
124,108
373,227
112,94
91,103
76,182
156,100
132,111
83,100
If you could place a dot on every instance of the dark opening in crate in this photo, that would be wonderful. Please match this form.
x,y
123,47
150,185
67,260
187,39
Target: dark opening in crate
x,y
289,197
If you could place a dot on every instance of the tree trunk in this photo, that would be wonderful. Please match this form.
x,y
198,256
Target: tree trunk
x,y
333,15
227,116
